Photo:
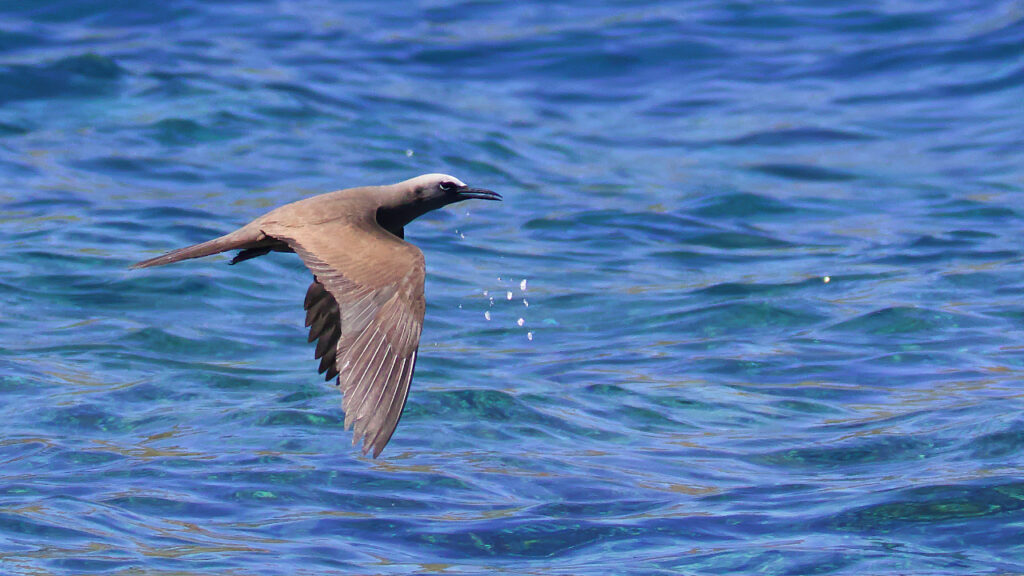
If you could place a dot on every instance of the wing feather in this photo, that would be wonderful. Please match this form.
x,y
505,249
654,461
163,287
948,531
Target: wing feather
x,y
390,417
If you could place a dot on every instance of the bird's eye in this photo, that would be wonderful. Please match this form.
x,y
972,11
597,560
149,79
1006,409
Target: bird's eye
x,y
446,186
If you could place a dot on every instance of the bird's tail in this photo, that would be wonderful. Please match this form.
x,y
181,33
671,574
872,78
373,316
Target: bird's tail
x,y
239,239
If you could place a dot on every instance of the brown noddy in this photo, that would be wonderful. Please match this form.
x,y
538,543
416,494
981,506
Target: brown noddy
x,y
365,305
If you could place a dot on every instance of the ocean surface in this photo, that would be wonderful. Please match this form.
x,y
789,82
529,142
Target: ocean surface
x,y
752,305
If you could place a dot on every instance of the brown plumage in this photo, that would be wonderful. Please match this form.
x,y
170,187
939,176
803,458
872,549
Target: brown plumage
x,y
365,305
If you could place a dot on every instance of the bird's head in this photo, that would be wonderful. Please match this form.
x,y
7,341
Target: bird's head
x,y
415,197
436,190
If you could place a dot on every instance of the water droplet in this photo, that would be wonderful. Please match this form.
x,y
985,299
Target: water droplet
x,y
525,303
522,285
529,336
408,153
485,292
508,295
487,315
520,321
826,279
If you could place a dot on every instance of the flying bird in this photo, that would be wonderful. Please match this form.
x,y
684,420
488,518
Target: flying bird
x,y
365,305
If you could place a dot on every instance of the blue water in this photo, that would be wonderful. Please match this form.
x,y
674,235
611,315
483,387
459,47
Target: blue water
x,y
772,319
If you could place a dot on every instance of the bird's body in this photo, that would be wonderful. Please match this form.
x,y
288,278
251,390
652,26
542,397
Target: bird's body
x,y
365,305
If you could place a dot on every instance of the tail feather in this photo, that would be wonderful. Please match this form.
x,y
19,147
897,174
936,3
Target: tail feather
x,y
238,239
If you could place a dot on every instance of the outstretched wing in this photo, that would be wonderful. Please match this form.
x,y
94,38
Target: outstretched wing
x,y
365,306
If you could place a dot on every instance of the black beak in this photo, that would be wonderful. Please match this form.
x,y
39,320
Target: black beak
x,y
468,193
